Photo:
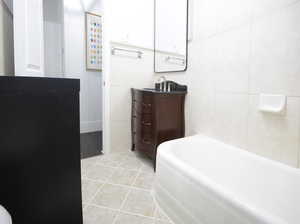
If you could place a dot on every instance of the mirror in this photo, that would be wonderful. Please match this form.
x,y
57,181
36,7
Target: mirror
x,y
170,35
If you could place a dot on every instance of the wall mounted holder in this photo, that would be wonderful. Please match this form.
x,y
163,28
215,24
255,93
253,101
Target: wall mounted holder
x,y
175,60
269,103
137,54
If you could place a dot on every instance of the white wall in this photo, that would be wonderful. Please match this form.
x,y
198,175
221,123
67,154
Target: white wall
x,y
53,38
132,22
246,48
6,41
91,86
126,73
239,49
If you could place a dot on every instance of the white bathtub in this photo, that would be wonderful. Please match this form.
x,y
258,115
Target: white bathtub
x,y
203,181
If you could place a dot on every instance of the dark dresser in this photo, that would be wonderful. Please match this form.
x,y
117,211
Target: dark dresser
x,y
156,117
40,150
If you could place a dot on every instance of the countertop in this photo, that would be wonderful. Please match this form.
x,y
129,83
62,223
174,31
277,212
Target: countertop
x,y
152,90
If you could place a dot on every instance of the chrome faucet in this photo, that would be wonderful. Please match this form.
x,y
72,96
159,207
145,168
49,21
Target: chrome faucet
x,y
163,83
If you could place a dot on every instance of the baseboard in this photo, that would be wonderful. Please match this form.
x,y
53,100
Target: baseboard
x,y
90,144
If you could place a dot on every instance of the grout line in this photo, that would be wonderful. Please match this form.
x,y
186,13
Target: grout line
x,y
114,184
100,188
124,212
162,211
252,93
97,191
126,197
258,16
122,205
130,189
92,180
138,174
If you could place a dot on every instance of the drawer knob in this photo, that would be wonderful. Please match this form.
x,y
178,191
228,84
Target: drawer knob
x,y
146,104
146,123
146,142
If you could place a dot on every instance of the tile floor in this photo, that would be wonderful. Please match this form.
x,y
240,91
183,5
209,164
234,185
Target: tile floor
x,y
117,189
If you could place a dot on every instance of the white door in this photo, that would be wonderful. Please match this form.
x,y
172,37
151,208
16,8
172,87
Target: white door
x,y
29,38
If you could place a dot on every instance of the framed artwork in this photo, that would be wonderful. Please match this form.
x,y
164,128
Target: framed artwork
x,y
93,41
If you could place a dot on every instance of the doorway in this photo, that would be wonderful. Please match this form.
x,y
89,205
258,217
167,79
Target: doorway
x,y
50,41
75,66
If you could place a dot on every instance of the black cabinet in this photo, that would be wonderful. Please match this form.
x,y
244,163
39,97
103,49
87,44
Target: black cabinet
x,y
40,150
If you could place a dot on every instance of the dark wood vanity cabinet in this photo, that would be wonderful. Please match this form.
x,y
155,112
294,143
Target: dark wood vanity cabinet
x,y
156,117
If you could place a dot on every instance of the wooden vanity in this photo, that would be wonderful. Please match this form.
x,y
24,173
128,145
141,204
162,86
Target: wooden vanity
x,y
156,117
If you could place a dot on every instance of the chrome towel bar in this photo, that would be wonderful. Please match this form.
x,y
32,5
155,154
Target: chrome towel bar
x,y
115,49
174,60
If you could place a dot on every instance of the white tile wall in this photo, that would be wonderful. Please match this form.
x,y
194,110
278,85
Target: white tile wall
x,y
275,53
201,93
275,136
232,13
239,49
126,73
233,65
231,116
121,135
263,7
120,99
243,58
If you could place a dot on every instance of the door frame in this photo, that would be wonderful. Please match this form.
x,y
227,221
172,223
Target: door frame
x,y
106,127
106,124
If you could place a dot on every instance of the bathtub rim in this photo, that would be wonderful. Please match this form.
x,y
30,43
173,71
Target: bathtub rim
x,y
166,157
244,152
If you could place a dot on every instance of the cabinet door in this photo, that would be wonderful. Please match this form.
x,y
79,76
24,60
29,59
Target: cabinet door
x,y
29,37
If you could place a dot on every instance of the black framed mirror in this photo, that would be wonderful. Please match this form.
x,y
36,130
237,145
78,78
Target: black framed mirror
x,y
170,35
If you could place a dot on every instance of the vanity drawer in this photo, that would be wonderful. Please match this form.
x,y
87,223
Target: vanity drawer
x,y
143,139
142,122
142,107
146,120
142,102
142,97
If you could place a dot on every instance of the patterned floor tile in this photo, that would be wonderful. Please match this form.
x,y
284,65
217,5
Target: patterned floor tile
x,y
132,219
116,189
123,176
111,196
139,202
89,189
99,173
95,215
